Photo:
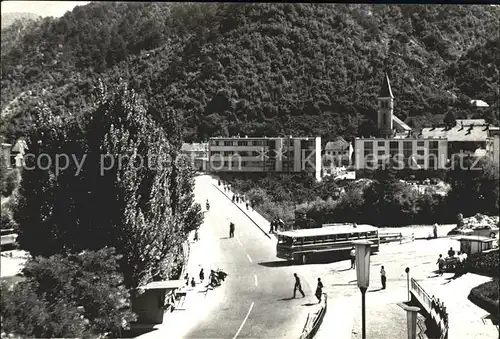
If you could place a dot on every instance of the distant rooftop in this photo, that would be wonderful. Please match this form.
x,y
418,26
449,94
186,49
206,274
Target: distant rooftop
x,y
479,103
338,144
464,130
194,147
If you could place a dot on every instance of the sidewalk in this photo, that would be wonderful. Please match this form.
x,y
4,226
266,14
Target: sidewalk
x,y
199,300
466,320
262,223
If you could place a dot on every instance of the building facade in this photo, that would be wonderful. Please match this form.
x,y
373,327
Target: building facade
x,y
286,155
413,153
396,144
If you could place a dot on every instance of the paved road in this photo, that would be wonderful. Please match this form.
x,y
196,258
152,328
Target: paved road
x,y
256,301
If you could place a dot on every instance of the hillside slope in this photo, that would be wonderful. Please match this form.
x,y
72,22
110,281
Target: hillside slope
x,y
263,69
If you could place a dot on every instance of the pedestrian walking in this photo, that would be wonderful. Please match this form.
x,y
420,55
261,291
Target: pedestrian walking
x,y
319,290
435,231
352,254
272,226
231,230
440,263
237,199
218,183
253,205
234,197
193,283
246,205
297,286
187,279
202,275
383,278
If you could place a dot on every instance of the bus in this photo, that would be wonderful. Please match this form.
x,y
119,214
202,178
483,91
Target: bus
x,y
300,245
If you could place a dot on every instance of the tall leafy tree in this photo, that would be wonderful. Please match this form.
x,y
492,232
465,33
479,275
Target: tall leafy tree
x,y
132,190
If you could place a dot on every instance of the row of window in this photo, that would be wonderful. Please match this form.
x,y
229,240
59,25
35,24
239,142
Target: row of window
x,y
395,144
238,142
327,238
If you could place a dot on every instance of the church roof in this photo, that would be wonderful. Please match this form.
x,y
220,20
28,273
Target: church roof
x,y
401,123
385,90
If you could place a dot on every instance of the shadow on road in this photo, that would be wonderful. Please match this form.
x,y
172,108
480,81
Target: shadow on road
x,y
378,289
278,263
310,304
225,238
286,299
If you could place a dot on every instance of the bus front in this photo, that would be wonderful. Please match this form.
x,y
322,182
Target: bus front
x,y
284,247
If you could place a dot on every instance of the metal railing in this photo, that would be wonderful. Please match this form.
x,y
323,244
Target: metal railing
x,y
433,306
314,321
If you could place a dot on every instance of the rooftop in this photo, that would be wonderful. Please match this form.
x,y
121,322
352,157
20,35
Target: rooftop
x,y
328,229
194,147
338,144
464,130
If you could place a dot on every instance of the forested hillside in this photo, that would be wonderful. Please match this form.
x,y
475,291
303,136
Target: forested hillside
x,y
259,69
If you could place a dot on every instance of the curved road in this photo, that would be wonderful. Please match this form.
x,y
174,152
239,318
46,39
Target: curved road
x,y
256,298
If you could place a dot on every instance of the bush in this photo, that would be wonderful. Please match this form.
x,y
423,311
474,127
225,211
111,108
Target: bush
x,y
67,296
486,296
6,220
484,263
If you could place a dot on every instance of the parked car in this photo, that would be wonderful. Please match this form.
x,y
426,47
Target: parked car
x,y
485,231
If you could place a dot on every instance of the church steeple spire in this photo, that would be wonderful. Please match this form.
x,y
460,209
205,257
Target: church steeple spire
x,y
385,90
385,108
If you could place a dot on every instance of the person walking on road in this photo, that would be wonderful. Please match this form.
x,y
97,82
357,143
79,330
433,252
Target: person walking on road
x,y
202,275
234,197
297,286
246,203
352,254
272,226
231,229
383,278
319,290
451,252
440,263
435,231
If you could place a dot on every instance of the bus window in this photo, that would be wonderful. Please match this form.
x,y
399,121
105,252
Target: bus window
x,y
362,235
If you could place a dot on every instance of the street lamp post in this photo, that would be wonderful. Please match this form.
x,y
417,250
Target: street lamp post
x,y
363,249
407,270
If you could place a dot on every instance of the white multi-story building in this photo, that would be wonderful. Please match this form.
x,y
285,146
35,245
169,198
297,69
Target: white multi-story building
x,y
287,155
397,143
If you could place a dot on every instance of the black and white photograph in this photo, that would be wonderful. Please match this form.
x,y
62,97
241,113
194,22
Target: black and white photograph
x,y
231,170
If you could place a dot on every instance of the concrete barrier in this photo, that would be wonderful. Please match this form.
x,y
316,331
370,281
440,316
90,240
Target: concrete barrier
x,y
314,320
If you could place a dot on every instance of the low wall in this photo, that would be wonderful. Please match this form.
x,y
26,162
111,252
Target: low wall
x,y
314,320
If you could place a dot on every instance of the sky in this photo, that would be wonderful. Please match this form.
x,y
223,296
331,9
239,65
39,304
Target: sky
x,y
42,8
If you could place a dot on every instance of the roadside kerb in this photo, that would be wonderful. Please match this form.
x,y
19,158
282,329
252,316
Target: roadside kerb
x,y
314,320
242,210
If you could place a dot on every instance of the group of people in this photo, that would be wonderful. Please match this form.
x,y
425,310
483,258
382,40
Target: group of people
x,y
213,279
275,225
461,258
298,287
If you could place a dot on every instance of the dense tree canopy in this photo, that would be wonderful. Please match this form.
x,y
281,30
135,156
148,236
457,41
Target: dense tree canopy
x,y
260,69
110,177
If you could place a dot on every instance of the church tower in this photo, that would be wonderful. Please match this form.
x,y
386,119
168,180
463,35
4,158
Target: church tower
x,y
385,109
